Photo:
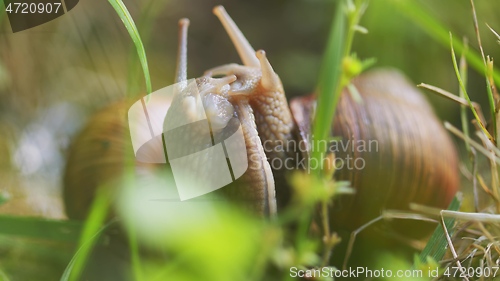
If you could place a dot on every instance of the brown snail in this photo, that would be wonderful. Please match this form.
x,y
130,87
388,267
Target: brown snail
x,y
414,159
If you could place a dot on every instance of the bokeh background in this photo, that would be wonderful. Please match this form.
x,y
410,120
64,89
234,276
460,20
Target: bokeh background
x,y
52,77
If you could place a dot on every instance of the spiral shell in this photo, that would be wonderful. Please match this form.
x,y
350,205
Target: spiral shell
x,y
393,149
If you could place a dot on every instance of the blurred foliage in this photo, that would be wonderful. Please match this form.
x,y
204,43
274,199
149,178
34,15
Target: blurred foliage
x,y
89,50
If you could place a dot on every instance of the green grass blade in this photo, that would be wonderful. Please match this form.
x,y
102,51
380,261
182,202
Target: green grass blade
x,y
39,228
135,257
491,100
429,24
145,23
127,20
329,85
462,87
437,245
328,91
70,273
463,109
93,228
2,12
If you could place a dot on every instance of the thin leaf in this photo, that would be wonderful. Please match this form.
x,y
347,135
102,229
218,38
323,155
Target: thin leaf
x,y
134,249
462,87
329,89
92,229
39,228
414,11
81,253
494,32
127,20
3,13
480,217
436,247
329,81
473,143
460,100
463,109
491,100
145,23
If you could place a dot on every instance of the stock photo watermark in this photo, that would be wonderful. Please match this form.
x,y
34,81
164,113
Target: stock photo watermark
x,y
365,272
27,14
348,154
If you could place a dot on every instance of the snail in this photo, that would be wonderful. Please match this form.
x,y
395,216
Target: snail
x,y
411,157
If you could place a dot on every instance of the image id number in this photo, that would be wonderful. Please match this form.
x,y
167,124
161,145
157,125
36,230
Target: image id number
x,y
463,272
33,8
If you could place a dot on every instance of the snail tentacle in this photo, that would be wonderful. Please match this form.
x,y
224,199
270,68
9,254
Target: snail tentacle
x,y
258,84
247,78
270,80
181,69
245,50
258,81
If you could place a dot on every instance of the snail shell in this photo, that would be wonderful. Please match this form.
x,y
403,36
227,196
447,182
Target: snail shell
x,y
96,158
397,149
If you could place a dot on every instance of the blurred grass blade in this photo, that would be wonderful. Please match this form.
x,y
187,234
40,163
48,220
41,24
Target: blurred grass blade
x,y
3,199
3,276
424,19
127,20
329,81
39,228
491,102
437,245
479,147
463,108
136,259
462,87
491,99
69,272
328,90
145,22
2,12
92,229
494,32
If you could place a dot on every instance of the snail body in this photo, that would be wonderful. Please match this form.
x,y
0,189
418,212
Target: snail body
x,y
414,161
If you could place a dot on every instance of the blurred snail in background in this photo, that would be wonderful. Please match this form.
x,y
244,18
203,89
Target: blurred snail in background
x,y
406,154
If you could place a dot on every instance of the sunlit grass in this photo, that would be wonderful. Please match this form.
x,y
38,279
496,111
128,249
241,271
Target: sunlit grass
x,y
439,32
471,228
